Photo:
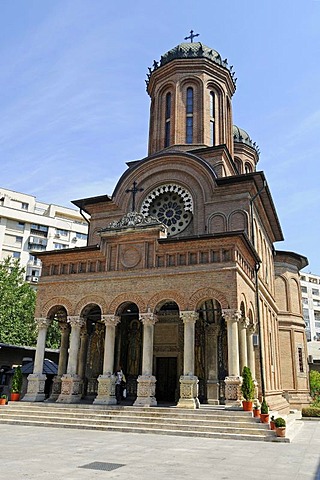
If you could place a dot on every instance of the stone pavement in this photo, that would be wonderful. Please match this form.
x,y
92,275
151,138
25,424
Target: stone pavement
x,y
61,454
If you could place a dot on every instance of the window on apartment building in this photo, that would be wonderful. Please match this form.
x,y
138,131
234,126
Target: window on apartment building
x,y
39,229
83,236
16,254
24,206
313,280
315,291
61,232
19,240
317,316
303,277
304,289
305,301
1,201
21,225
59,246
316,303
306,314
317,324
300,358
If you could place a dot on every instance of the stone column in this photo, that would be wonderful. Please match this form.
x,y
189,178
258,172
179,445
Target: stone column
x,y
107,381
147,382
63,358
71,387
243,325
36,380
233,380
188,381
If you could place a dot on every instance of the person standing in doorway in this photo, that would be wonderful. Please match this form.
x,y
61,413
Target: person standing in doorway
x,y
120,384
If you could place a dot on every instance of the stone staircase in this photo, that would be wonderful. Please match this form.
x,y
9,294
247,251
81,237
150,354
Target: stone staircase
x,y
208,421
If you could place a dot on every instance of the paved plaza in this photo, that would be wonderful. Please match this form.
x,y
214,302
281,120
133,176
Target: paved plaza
x,y
66,454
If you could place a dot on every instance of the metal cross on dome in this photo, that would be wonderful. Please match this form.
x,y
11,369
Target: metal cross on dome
x,y
191,36
134,190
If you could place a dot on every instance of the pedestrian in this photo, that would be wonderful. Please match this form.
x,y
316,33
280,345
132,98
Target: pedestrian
x,y
120,384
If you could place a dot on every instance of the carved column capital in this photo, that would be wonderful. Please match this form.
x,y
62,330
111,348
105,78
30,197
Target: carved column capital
x,y
189,316
110,320
148,318
43,322
76,321
64,327
231,314
252,327
244,322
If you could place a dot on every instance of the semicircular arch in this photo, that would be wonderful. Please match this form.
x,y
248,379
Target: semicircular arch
x,y
127,298
207,294
57,302
91,300
165,296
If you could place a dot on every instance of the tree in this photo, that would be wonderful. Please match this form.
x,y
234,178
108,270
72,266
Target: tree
x,y
17,305
315,387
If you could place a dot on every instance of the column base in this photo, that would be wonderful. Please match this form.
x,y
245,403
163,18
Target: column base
x,y
233,391
71,389
35,390
146,391
188,392
56,388
106,390
213,392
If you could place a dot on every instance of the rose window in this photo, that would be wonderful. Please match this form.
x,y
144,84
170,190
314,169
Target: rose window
x,y
171,205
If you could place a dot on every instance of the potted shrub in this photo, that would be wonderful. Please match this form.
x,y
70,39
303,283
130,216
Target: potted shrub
x,y
3,400
247,389
16,384
256,408
264,415
272,425
280,425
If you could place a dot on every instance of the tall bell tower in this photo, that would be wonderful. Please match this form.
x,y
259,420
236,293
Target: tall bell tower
x,y
191,88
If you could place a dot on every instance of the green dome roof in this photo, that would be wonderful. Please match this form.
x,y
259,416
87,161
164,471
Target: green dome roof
x,y
241,136
192,50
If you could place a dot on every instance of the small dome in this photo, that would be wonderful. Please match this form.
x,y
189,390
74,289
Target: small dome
x,y
241,136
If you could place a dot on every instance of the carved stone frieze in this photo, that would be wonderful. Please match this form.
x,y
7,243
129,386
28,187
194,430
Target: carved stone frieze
x,y
132,220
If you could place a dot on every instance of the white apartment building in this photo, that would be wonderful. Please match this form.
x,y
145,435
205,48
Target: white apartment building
x,y
28,226
310,287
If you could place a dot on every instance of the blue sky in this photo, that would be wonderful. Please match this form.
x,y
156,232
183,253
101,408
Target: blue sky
x,y
73,105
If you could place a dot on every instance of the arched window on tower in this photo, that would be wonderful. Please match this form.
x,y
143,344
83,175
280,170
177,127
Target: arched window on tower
x,y
167,120
212,115
248,168
189,116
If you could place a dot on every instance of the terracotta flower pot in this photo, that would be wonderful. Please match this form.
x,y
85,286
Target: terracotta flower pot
x,y
3,401
14,397
272,425
256,412
264,417
281,431
247,405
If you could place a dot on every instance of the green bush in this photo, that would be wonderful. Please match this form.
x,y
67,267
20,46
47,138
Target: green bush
x,y
264,407
280,422
315,387
17,381
247,387
311,412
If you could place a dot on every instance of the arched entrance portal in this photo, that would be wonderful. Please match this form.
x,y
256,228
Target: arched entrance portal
x,y
128,346
168,351
91,349
211,353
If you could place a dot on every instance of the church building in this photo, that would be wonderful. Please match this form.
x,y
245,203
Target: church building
x,y
180,283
